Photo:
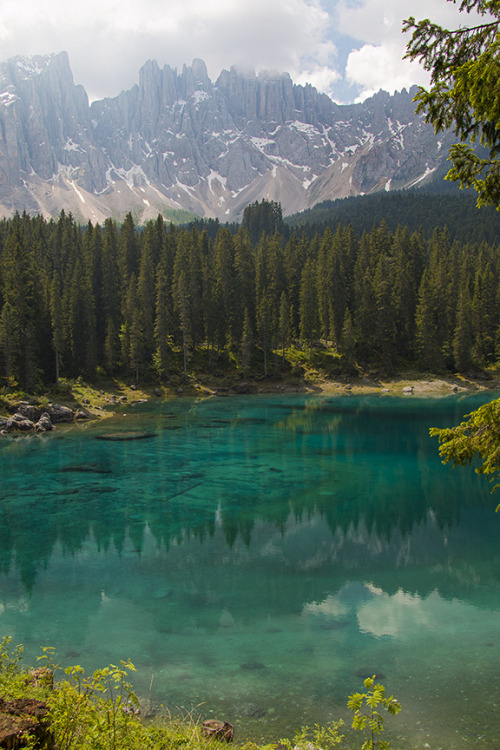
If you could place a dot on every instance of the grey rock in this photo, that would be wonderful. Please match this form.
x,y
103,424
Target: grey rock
x,y
59,413
242,388
210,147
18,422
30,411
44,424
250,710
81,414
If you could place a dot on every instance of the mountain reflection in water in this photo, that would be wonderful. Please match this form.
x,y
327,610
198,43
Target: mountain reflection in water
x,y
263,552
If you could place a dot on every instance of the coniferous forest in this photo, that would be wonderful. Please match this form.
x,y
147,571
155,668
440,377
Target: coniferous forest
x,y
142,301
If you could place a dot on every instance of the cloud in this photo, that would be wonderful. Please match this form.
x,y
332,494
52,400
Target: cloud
x,y
382,67
375,26
109,40
408,616
342,47
321,77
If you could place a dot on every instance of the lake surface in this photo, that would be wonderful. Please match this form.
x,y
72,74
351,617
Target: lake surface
x,y
261,556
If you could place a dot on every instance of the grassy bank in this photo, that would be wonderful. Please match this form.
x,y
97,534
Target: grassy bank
x,y
47,708
101,397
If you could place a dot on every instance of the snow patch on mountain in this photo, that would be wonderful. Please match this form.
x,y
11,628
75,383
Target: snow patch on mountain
x,y
179,140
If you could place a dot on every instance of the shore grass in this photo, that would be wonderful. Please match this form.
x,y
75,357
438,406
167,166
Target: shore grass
x,y
292,371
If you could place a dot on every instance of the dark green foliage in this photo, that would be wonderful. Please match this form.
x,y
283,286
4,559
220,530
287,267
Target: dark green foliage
x,y
74,301
465,79
262,218
478,436
415,209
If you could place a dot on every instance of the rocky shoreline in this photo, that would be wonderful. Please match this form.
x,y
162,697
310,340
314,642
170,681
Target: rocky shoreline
x,y
32,418
28,417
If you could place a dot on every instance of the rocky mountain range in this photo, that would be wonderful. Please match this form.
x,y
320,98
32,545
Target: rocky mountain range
x,y
177,140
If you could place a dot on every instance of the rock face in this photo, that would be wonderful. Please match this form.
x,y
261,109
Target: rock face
x,y
23,718
179,140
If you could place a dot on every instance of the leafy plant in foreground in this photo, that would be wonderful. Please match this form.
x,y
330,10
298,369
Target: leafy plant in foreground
x,y
97,711
366,713
12,682
316,738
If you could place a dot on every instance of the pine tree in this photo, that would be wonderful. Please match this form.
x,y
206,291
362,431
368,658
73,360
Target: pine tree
x,y
246,348
18,291
128,251
8,343
111,296
161,329
308,304
348,345
146,296
427,342
182,305
284,323
465,79
462,339
224,287
57,324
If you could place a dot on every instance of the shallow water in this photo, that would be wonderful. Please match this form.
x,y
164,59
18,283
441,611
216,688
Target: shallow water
x,y
260,556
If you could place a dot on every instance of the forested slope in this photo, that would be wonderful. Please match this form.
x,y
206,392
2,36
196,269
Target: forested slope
x,y
414,209
79,300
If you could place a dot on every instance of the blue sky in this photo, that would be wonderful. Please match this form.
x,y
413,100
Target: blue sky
x,y
347,48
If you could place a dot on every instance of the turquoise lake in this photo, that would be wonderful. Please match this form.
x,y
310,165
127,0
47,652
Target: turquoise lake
x,y
259,556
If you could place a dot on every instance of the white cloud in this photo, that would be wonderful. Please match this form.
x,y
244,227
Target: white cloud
x,y
109,40
381,67
378,21
322,78
378,62
408,616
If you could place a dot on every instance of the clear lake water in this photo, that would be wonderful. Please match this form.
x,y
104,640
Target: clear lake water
x,y
257,557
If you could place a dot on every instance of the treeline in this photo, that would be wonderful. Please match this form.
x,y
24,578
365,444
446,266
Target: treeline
x,y
414,209
80,300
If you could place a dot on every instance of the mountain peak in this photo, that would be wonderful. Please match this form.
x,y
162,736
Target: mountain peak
x,y
177,140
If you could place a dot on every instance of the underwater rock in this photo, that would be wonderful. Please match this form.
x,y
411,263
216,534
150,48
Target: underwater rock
x,y
219,730
226,620
125,435
88,468
250,710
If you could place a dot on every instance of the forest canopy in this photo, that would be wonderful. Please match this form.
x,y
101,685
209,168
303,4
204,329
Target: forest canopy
x,y
116,299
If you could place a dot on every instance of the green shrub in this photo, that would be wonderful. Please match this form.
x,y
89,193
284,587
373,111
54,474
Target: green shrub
x,y
366,715
100,711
